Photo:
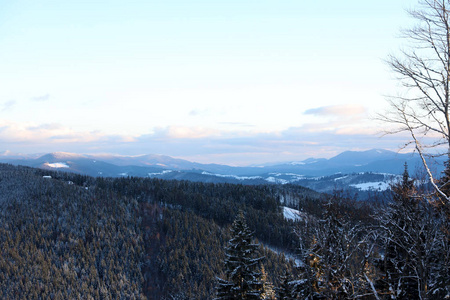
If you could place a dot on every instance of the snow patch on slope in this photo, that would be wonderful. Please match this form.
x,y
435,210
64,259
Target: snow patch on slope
x,y
372,186
232,176
160,173
284,178
292,214
379,185
340,178
57,165
276,180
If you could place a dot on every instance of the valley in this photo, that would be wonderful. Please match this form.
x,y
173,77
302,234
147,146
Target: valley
x,y
69,235
358,173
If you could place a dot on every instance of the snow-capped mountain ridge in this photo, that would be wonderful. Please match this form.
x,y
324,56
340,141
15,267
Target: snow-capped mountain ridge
x,y
357,170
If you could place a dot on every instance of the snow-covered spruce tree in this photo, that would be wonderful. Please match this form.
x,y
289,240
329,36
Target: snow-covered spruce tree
x,y
412,245
329,255
397,260
243,280
441,276
268,290
333,256
305,285
287,289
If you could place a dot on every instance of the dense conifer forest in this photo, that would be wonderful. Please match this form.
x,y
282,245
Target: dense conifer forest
x,y
68,236
73,236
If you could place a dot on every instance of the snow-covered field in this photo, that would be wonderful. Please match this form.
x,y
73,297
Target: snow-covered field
x,y
372,186
233,176
160,173
292,214
57,165
276,180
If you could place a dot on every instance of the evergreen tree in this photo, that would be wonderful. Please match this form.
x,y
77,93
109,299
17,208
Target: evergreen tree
x,y
413,245
332,253
268,291
286,290
443,206
398,271
441,285
329,255
242,278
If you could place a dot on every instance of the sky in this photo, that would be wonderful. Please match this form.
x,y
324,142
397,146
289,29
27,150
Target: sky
x,y
233,82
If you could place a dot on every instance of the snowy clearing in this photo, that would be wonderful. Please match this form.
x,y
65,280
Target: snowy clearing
x,y
292,214
58,165
340,178
276,180
232,176
160,173
372,186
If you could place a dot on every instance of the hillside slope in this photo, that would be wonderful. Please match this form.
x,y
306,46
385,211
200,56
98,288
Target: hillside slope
x,y
64,235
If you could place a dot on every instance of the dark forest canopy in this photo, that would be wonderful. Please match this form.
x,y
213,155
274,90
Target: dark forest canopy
x,y
67,236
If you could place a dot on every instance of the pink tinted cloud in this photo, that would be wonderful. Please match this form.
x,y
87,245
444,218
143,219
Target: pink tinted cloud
x,y
199,144
46,133
347,110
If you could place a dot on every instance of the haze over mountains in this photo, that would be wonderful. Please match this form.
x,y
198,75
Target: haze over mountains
x,y
354,170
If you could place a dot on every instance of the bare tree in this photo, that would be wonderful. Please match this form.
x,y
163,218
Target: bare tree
x,y
424,70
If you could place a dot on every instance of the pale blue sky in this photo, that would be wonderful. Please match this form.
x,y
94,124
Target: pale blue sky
x,y
235,82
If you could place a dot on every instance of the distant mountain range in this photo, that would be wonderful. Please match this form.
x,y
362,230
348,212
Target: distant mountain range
x,y
316,173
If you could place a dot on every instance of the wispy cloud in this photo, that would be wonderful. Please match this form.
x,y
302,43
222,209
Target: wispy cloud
x,y
337,110
50,126
204,145
198,112
8,105
42,98
41,133
240,124
184,132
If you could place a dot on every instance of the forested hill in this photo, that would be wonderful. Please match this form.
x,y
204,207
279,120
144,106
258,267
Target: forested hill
x,y
66,236
63,241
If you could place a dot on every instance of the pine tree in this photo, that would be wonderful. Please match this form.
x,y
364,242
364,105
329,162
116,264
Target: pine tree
x,y
286,290
413,244
268,291
396,258
329,254
441,285
242,278
331,250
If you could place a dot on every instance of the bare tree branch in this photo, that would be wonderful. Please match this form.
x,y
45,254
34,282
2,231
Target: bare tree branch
x,y
424,70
